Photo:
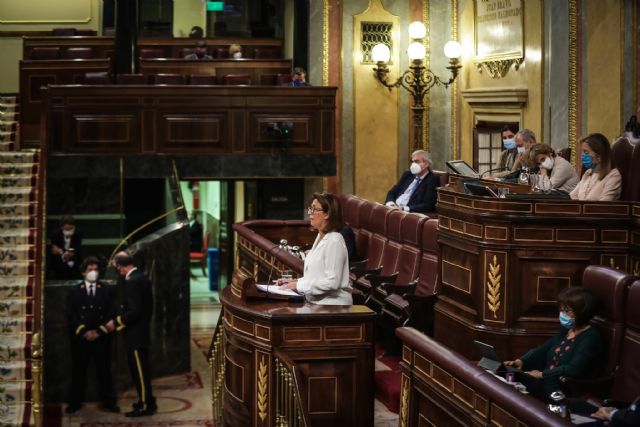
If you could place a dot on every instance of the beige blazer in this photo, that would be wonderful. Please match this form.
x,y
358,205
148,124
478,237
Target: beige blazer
x,y
562,177
605,190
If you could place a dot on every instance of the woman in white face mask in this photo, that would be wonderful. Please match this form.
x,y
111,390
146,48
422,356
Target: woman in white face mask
x,y
555,173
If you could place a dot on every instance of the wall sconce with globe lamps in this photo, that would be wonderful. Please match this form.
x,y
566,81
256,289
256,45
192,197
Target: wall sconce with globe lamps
x,y
417,80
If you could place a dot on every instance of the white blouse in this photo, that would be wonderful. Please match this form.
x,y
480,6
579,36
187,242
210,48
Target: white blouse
x,y
326,272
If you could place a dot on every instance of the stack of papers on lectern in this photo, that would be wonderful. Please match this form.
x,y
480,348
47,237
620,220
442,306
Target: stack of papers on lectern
x,y
275,290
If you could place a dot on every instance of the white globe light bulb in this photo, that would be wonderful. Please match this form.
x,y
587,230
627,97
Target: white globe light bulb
x,y
380,53
452,49
416,50
417,30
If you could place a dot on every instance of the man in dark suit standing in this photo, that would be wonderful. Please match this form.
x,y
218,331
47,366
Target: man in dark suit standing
x,y
65,254
135,322
416,189
90,304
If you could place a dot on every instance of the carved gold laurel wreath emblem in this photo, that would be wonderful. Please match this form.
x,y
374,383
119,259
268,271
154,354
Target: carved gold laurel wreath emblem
x,y
404,402
494,277
262,389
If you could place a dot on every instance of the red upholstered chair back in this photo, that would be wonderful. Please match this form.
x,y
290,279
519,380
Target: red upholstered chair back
x,y
565,153
169,79
202,79
610,288
391,252
63,32
237,79
428,275
186,51
148,53
131,79
411,251
351,210
265,53
97,78
378,238
45,53
626,386
632,189
79,53
222,53
443,177
621,151
364,233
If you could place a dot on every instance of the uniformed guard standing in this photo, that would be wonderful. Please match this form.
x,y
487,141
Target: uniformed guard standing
x,y
90,304
135,322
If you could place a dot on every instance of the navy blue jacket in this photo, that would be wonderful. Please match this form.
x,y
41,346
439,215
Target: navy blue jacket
x,y
423,198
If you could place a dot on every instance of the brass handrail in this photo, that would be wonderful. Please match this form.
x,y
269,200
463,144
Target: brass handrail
x,y
290,411
217,365
146,224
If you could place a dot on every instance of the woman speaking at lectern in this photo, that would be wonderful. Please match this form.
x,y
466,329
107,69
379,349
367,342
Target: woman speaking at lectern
x,y
326,267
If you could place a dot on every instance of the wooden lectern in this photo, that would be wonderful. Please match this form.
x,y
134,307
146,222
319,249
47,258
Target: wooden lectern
x,y
324,353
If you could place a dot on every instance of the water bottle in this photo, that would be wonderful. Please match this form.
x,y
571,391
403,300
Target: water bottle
x,y
524,176
559,405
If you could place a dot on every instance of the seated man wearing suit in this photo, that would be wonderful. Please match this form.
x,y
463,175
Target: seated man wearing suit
x,y
416,189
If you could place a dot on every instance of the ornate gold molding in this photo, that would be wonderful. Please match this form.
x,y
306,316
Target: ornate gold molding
x,y
427,57
500,67
494,279
325,43
573,75
262,389
404,402
454,87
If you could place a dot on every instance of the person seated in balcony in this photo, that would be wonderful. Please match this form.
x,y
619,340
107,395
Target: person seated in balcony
x,y
196,32
200,51
65,253
601,181
555,173
298,77
416,189
235,51
508,156
574,351
326,266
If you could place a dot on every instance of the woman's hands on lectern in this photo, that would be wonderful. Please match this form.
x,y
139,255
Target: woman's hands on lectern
x,y
515,363
287,284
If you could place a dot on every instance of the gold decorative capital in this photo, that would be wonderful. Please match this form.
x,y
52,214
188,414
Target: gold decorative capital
x,y
262,389
494,278
499,68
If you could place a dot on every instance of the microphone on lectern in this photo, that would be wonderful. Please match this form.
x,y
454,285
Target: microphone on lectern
x,y
281,245
492,170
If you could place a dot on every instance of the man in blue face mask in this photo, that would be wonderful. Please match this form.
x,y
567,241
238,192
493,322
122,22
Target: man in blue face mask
x,y
298,77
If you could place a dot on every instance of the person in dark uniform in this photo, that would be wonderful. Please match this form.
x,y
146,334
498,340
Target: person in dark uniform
x,y
90,304
65,253
135,323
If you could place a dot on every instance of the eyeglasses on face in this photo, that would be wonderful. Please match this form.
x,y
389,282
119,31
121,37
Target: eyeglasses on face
x,y
311,210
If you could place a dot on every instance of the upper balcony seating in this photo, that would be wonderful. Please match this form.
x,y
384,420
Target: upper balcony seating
x,y
131,79
97,78
151,53
202,79
186,51
169,79
78,53
236,79
266,53
45,53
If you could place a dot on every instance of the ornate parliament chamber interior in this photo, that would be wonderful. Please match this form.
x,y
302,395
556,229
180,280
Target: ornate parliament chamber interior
x,y
480,159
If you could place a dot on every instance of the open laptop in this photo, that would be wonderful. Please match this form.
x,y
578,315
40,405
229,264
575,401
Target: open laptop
x,y
462,168
490,359
479,190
